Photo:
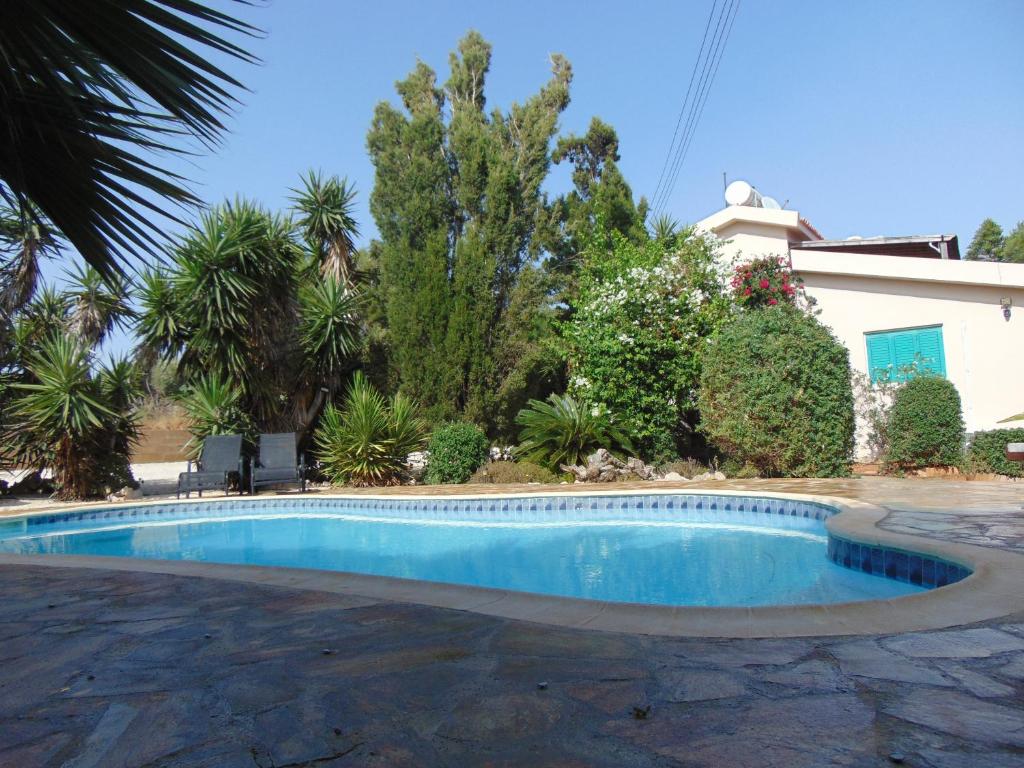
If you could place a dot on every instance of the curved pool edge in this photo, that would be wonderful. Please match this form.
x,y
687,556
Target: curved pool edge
x,y
990,592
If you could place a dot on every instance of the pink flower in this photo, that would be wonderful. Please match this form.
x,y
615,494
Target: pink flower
x,y
764,282
746,291
772,302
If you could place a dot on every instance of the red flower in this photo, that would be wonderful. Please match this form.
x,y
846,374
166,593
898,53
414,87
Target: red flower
x,y
746,291
764,282
772,302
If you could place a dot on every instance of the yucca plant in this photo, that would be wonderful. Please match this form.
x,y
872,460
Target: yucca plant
x,y
26,237
213,407
326,217
329,327
96,305
564,431
367,440
62,416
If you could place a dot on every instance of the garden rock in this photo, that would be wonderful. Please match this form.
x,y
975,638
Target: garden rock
x,y
602,467
416,462
673,477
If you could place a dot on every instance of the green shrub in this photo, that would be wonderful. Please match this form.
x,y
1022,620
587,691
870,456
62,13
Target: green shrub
x,y
563,431
367,441
926,425
987,451
456,451
775,395
513,472
684,467
213,407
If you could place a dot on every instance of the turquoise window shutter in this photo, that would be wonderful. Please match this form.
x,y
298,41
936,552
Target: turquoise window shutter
x,y
896,351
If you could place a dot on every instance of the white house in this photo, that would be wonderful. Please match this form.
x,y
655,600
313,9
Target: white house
x,y
894,300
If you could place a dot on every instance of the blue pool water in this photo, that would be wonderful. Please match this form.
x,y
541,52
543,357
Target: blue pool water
x,y
684,555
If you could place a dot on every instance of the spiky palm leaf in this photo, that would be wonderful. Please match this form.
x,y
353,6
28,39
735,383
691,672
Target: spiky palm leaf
x,y
564,431
96,304
213,407
25,238
328,224
366,442
330,327
88,91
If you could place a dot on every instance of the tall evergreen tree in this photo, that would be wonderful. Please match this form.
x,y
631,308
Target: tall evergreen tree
x,y
600,194
457,201
987,242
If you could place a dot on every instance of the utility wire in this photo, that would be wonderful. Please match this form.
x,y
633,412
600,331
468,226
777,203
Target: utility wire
x,y
700,112
686,100
723,29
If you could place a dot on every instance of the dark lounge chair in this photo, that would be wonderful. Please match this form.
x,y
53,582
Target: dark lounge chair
x,y
221,458
277,463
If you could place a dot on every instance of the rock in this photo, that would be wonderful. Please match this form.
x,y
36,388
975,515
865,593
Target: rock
x,y
718,475
130,493
602,467
977,643
416,464
673,477
499,453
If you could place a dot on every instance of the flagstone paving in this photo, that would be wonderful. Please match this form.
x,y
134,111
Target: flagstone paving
x,y
109,669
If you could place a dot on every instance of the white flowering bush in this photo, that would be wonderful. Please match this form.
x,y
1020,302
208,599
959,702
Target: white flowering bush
x,y
638,331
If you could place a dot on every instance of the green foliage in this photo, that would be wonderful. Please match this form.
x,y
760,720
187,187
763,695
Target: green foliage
x,y
456,198
765,282
513,472
565,431
1013,246
987,451
26,238
639,331
775,394
926,425
238,303
456,451
329,225
367,440
96,305
214,407
82,425
600,199
987,242
87,100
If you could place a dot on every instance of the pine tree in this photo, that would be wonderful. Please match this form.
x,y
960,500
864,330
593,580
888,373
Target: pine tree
x,y
1013,245
987,242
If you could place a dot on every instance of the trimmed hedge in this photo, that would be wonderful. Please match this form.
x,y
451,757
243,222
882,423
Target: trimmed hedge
x,y
775,395
513,472
926,425
987,452
456,451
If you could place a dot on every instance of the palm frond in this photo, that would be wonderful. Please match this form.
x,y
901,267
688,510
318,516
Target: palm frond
x,y
89,91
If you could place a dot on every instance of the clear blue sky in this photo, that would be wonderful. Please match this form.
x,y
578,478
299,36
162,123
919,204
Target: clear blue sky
x,y
870,117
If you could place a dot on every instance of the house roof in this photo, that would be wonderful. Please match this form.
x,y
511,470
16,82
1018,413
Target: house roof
x,y
919,246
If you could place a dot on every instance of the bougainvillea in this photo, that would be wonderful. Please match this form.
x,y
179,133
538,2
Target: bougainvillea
x,y
766,282
638,332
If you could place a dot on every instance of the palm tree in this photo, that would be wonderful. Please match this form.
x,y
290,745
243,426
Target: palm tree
x,y
26,238
96,305
88,92
329,225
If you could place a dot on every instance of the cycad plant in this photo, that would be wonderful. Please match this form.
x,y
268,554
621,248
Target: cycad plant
x,y
564,431
367,440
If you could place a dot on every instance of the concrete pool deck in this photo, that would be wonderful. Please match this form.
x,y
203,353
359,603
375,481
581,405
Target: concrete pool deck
x,y
112,668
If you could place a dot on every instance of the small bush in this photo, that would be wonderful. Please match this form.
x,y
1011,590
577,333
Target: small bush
x,y
926,425
456,451
513,472
987,452
684,467
765,282
775,394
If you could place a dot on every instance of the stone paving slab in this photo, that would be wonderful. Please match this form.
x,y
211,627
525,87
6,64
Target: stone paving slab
x,y
121,669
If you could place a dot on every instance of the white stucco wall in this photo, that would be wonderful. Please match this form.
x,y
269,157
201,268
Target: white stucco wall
x,y
858,294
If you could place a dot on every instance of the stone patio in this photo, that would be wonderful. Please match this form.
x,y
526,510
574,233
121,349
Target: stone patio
x,y
108,669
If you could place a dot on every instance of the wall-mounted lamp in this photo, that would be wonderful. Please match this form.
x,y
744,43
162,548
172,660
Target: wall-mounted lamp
x,y
1006,303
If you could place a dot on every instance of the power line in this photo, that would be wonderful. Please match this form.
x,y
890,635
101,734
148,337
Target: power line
x,y
689,88
697,106
723,29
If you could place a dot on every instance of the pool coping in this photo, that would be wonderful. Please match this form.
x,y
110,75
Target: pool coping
x,y
992,590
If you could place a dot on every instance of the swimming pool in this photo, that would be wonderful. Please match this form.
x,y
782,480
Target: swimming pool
x,y
678,549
